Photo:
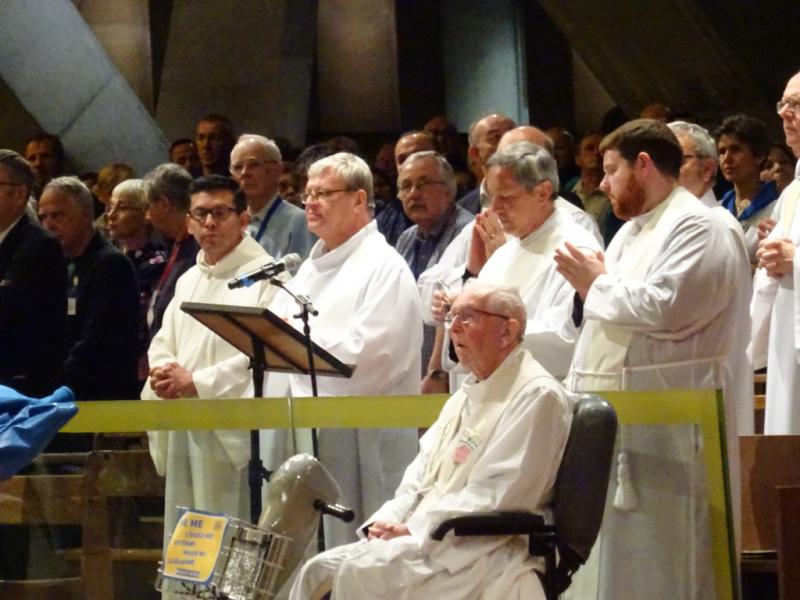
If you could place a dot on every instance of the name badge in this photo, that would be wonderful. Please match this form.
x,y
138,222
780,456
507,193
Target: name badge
x,y
72,307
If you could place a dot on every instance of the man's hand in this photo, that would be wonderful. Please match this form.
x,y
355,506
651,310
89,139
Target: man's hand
x,y
765,227
776,256
386,531
172,381
487,236
441,302
579,269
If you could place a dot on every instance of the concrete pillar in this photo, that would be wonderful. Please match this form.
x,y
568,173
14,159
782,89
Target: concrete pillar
x,y
249,60
64,79
484,60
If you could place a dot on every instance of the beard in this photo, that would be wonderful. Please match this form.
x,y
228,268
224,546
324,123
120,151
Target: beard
x,y
630,201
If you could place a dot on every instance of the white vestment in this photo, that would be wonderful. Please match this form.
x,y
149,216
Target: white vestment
x,y
205,469
528,265
665,316
496,445
369,316
776,324
451,265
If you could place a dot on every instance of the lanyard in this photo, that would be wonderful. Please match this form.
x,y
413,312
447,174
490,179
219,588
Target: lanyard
x,y
267,217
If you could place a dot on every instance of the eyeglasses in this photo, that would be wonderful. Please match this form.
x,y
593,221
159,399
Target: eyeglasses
x,y
218,213
317,195
122,207
467,315
238,168
688,157
421,184
793,104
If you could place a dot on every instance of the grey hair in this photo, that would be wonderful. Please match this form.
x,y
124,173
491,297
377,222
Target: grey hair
x,y
355,172
502,300
704,144
75,188
132,189
445,168
19,169
269,146
530,164
169,180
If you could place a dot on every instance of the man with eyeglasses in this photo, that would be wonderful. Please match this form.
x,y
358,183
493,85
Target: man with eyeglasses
x,y
699,167
206,469
369,316
102,297
280,227
775,341
496,445
33,294
426,186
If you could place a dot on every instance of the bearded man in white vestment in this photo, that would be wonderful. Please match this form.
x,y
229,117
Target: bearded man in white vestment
x,y
776,318
206,470
659,311
369,316
496,445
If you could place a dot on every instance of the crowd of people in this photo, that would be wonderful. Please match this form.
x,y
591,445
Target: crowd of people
x,y
620,259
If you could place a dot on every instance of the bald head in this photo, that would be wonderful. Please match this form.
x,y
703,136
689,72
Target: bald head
x,y
410,143
484,135
527,133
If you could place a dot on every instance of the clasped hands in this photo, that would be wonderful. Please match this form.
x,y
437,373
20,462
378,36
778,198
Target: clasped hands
x,y
578,268
172,381
383,530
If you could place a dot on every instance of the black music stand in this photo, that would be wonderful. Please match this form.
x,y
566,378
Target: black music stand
x,y
274,345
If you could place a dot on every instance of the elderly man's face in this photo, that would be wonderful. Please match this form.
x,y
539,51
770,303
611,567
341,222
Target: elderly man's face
x,y
254,171
424,193
331,208
213,143
790,114
43,159
478,333
520,211
694,174
215,224
63,216
13,198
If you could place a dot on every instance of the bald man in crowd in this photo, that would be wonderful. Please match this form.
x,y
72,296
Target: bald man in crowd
x,y
484,135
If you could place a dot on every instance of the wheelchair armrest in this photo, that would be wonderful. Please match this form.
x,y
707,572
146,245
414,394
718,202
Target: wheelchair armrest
x,y
492,523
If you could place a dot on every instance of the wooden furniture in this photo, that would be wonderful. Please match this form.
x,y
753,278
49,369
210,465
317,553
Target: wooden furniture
x,y
770,477
89,499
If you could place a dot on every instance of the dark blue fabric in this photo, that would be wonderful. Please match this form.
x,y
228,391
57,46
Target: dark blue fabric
x,y
28,424
766,194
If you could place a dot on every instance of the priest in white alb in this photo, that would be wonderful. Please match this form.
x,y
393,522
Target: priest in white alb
x,y
775,306
206,470
659,311
496,445
369,316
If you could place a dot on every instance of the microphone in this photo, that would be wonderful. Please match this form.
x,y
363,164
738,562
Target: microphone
x,y
267,271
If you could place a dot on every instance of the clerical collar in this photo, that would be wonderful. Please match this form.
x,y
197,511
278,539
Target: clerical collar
x,y
483,195
797,170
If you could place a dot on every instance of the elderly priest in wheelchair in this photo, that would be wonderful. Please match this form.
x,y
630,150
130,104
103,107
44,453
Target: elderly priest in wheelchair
x,y
496,446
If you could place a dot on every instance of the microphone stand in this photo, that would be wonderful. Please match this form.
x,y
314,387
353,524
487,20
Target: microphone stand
x,y
307,309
